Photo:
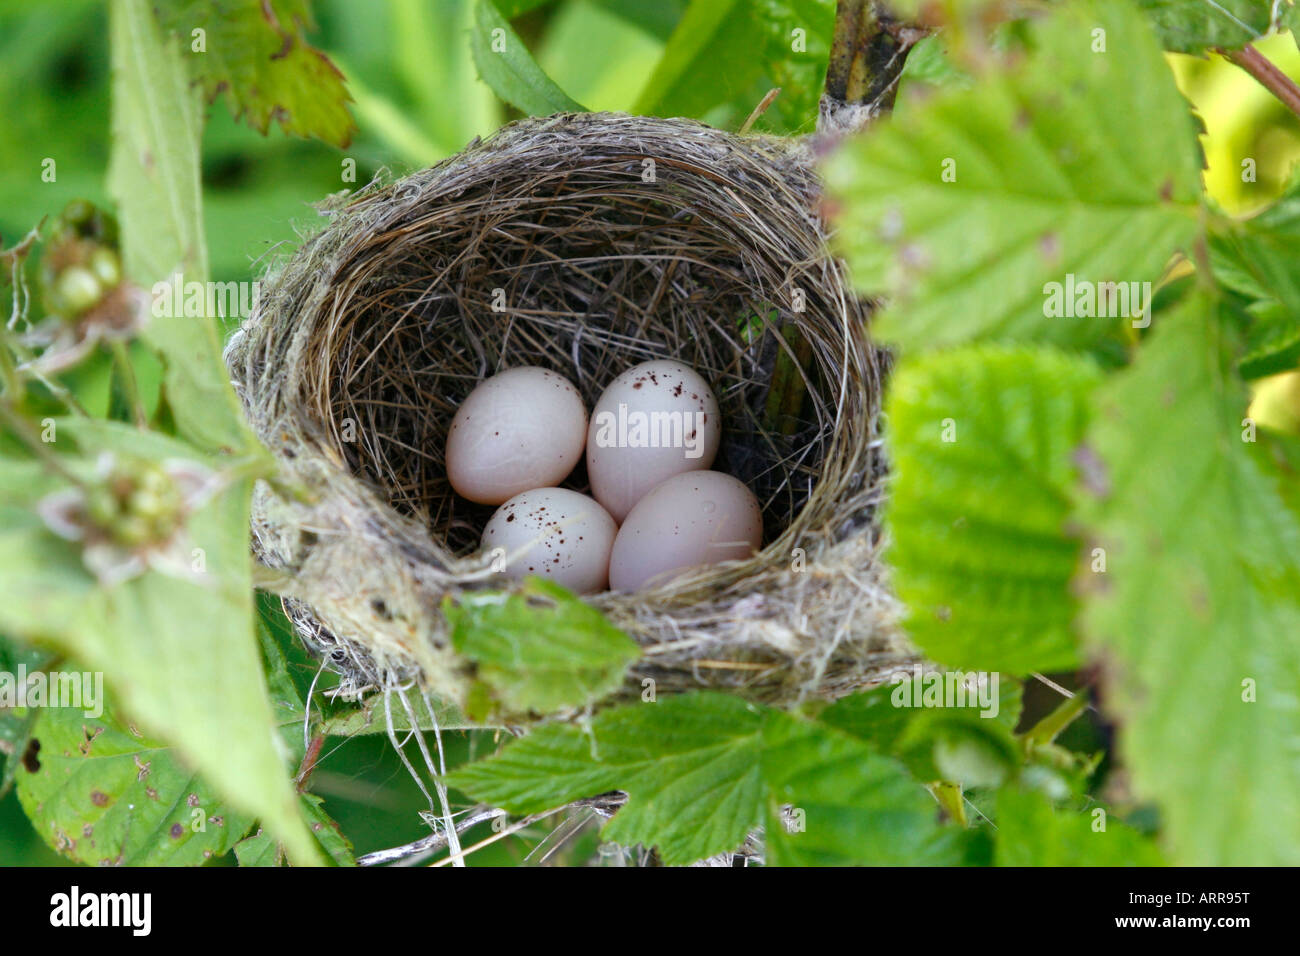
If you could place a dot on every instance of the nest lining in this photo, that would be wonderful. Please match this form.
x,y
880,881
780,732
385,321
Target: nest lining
x,y
584,243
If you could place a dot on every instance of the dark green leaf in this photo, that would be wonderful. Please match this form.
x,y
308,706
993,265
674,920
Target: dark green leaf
x,y
657,19
831,801
1256,258
505,64
261,850
907,719
1273,341
1192,26
725,55
1031,832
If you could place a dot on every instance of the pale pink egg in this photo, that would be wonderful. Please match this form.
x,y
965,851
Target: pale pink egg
x,y
553,533
521,429
692,519
655,420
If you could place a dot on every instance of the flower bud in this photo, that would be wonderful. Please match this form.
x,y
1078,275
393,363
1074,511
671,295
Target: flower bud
x,y
969,761
76,291
106,266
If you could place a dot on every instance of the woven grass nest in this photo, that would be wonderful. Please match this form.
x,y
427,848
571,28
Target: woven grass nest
x,y
585,243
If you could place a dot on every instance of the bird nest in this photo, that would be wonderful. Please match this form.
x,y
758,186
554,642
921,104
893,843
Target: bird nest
x,y
586,244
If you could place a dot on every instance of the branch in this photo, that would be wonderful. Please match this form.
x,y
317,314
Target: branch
x,y
429,844
1266,72
604,805
868,51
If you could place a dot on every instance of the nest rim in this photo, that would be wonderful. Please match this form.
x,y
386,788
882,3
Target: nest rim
x,y
756,615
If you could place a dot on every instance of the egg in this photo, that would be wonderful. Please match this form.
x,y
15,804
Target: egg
x,y
554,533
655,420
523,428
697,518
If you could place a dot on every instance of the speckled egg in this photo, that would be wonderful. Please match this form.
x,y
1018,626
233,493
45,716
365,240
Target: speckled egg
x,y
692,519
554,533
656,420
521,429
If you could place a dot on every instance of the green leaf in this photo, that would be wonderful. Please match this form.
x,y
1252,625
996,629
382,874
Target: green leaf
x,y
337,847
853,806
928,62
274,634
180,655
16,722
1196,617
1289,18
1192,26
255,52
290,672
1256,258
1272,342
702,770
1031,832
657,19
105,794
690,767
277,638
1280,455
505,64
44,583
540,650
370,718
908,719
1051,181
981,444
725,55
515,8
261,850
258,850
154,178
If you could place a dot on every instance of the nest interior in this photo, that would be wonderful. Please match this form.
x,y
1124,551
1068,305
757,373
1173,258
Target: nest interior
x,y
585,244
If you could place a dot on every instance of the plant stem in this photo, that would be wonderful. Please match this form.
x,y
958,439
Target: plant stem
x,y
950,798
9,374
63,395
13,381
868,51
1050,727
1267,73
309,760
122,359
23,429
